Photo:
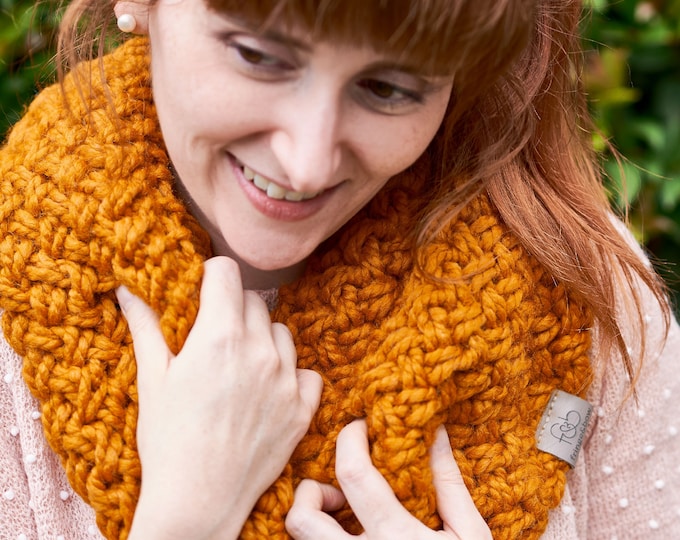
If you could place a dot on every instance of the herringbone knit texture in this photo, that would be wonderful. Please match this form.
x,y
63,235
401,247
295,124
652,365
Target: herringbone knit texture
x,y
88,205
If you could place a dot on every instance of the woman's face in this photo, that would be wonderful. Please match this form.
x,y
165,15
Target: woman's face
x,y
278,140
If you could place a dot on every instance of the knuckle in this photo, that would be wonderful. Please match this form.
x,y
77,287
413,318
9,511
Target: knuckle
x,y
290,392
221,265
251,297
266,355
139,322
219,341
300,426
483,532
220,274
450,477
298,521
283,329
349,470
477,528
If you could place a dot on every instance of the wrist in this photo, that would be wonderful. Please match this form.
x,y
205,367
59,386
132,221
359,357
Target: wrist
x,y
154,521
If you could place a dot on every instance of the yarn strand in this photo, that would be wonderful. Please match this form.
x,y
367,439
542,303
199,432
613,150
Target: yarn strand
x,y
476,339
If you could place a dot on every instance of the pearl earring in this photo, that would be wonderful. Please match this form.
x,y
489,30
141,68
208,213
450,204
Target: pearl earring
x,y
127,23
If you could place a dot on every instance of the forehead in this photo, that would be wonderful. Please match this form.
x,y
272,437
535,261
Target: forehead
x,y
436,35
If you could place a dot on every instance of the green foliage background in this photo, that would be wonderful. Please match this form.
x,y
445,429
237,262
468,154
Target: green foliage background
x,y
633,79
632,76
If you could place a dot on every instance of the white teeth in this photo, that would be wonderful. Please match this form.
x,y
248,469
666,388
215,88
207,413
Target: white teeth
x,y
261,182
294,196
273,190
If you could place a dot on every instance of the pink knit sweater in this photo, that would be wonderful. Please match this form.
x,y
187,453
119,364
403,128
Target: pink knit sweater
x,y
626,484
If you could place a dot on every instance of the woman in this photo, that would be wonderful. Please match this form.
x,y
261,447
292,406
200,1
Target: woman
x,y
410,187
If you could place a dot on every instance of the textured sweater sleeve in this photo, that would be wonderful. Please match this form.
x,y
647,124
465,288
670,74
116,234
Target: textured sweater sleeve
x,y
626,484
16,517
36,502
630,486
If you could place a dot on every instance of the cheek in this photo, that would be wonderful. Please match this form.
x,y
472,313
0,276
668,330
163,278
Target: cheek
x,y
398,149
400,141
185,81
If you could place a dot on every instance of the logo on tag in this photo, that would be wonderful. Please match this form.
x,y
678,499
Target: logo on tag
x,y
563,426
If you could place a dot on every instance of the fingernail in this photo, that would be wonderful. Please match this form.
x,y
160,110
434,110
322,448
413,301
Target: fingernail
x,y
441,441
124,296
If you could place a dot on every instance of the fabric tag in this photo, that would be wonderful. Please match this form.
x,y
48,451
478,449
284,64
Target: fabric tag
x,y
563,426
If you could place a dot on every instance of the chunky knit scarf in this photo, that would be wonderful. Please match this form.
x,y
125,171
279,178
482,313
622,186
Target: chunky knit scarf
x,y
475,337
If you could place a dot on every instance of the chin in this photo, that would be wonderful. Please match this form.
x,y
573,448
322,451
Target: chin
x,y
270,262
270,258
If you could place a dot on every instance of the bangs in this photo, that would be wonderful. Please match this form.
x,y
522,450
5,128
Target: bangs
x,y
439,37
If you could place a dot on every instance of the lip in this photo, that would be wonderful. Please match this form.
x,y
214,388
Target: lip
x,y
280,210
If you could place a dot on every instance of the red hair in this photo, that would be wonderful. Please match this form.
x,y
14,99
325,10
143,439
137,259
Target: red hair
x,y
517,125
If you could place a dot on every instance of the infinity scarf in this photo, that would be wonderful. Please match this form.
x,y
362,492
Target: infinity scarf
x,y
475,337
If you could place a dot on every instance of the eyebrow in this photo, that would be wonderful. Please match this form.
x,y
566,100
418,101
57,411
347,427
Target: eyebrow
x,y
392,65
270,34
277,36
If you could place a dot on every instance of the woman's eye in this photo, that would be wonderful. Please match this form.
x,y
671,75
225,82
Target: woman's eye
x,y
258,58
381,89
388,96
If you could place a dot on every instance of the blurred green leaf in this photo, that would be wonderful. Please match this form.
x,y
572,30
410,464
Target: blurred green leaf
x,y
26,30
669,194
625,179
633,79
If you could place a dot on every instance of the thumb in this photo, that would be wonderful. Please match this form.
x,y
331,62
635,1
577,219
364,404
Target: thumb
x,y
151,351
307,518
454,502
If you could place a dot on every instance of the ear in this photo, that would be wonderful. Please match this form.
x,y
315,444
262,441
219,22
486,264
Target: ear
x,y
138,10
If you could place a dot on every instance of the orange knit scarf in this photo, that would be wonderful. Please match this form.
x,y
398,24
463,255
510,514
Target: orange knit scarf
x,y
87,206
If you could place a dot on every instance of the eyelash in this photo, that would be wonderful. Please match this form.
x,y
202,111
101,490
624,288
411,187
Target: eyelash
x,y
265,64
406,96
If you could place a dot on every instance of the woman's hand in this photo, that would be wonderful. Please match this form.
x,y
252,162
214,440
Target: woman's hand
x,y
373,501
219,421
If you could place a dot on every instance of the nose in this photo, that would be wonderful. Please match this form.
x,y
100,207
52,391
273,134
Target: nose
x,y
307,141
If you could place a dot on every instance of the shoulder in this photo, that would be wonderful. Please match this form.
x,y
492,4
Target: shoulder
x,y
628,481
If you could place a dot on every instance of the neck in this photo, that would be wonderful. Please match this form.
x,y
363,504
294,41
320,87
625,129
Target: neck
x,y
253,278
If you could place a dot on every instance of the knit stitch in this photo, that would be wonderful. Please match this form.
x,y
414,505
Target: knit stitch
x,y
475,337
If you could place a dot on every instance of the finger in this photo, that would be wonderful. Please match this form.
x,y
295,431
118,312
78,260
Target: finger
x,y
310,384
367,492
221,292
283,339
307,518
221,304
256,314
454,503
151,352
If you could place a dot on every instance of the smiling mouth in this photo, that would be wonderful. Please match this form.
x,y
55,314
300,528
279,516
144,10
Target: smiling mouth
x,y
274,191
